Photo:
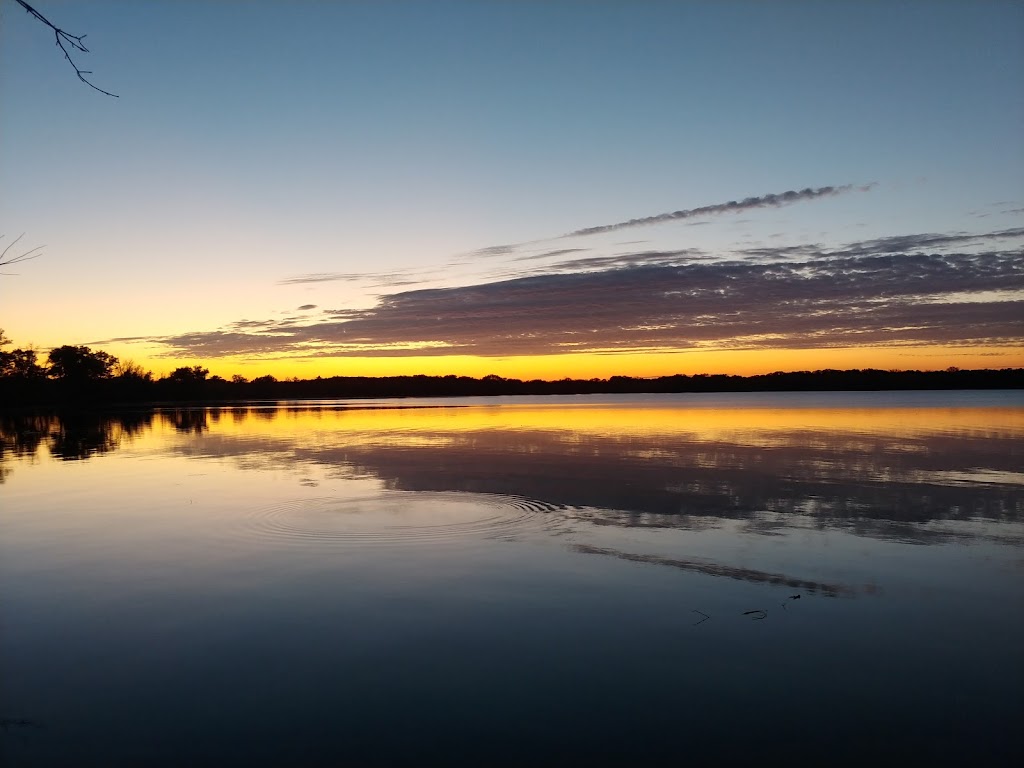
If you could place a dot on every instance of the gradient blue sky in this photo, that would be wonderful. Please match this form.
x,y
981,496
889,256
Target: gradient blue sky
x,y
378,147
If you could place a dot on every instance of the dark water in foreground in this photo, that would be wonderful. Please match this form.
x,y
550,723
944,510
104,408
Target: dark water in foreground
x,y
800,579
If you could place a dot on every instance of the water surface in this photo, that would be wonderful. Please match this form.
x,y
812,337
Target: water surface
x,y
614,580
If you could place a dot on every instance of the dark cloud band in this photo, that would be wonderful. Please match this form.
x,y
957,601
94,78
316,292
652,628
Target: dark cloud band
x,y
671,301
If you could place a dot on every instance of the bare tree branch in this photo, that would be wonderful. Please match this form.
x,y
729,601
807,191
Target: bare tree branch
x,y
64,40
6,260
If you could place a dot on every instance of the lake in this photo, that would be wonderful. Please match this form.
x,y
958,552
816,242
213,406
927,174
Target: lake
x,y
803,578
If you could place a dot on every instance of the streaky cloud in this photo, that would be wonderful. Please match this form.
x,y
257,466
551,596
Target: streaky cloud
x,y
121,340
774,200
883,245
905,243
494,250
378,279
611,262
323,277
550,254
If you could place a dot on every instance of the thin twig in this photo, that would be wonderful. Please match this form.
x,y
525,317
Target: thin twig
x,y
26,256
62,37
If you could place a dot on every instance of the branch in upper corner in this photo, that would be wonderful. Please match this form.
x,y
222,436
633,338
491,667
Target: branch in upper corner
x,y
62,38
6,260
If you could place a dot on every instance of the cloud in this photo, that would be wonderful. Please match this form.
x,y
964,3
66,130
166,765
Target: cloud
x,y
896,244
212,344
376,279
775,200
605,263
121,340
671,300
324,277
902,243
495,250
305,307
244,324
636,259
550,254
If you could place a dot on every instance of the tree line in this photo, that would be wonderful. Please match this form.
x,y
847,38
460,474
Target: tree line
x,y
80,375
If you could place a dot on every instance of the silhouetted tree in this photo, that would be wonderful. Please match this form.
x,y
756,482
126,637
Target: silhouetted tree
x,y
21,364
130,383
21,376
185,383
129,369
186,375
80,364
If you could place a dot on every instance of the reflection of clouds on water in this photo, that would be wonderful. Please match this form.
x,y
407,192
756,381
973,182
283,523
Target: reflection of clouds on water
x,y
974,476
732,572
875,479
859,485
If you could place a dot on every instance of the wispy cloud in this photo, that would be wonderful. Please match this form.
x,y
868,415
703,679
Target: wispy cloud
x,y
495,250
550,254
904,243
604,263
897,244
372,279
124,340
774,200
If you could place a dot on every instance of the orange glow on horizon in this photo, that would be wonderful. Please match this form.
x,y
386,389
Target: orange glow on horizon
x,y
589,365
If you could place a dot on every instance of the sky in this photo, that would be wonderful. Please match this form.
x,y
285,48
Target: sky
x,y
528,189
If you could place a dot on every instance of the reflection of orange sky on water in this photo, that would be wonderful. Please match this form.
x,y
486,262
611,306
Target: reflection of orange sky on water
x,y
750,425
586,366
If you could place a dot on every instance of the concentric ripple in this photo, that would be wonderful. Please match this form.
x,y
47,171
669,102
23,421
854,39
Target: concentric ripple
x,y
401,517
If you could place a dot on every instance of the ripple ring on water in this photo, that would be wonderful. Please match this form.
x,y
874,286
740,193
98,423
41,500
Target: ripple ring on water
x,y
401,517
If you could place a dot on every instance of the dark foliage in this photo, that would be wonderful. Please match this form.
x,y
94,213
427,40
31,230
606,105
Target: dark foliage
x,y
80,364
78,375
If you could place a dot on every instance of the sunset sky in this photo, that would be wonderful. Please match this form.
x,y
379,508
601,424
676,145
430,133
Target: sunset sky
x,y
532,189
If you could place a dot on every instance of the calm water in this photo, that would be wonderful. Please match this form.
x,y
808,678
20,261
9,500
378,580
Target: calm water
x,y
801,578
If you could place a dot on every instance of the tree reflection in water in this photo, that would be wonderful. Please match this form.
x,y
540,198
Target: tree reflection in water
x,y
869,475
70,435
